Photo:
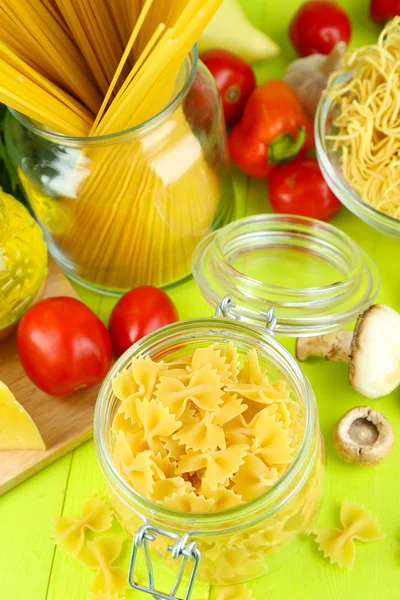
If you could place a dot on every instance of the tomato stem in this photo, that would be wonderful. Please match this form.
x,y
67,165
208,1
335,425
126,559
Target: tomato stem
x,y
232,93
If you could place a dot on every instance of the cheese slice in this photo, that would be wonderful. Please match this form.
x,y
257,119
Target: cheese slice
x,y
17,429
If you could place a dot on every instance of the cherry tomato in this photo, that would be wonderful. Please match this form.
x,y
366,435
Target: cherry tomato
x,y
383,10
201,106
234,78
299,188
137,313
63,346
318,26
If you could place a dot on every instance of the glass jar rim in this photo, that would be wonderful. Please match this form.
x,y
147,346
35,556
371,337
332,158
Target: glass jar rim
x,y
300,311
192,58
242,510
343,190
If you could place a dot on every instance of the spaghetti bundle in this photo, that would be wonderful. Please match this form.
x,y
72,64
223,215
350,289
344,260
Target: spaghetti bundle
x,y
130,209
366,109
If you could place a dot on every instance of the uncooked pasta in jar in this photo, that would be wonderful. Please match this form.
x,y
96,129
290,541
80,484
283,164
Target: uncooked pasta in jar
x,y
122,180
205,433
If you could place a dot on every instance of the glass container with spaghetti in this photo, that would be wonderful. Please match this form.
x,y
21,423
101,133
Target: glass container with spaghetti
x,y
117,134
357,132
207,430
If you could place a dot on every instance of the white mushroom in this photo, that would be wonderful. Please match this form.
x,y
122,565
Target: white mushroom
x,y
363,436
372,351
309,76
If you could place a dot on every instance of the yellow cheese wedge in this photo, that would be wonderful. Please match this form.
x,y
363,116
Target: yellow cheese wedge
x,y
17,429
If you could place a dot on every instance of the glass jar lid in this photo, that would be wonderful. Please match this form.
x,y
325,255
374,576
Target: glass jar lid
x,y
315,276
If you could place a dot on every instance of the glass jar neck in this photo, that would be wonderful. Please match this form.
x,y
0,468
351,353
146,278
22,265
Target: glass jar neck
x,y
313,274
182,85
158,345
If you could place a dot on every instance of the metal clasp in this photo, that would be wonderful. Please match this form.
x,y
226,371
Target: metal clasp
x,y
224,309
271,319
180,549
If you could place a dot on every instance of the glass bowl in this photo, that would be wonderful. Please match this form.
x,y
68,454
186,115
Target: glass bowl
x,y
329,162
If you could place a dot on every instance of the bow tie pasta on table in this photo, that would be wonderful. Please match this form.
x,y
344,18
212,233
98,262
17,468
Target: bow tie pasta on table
x,y
100,554
338,544
69,532
210,432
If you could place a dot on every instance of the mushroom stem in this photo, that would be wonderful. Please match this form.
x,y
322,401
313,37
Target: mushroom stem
x,y
372,351
332,346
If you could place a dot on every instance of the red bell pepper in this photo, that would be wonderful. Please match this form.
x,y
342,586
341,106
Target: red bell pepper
x,y
273,129
383,10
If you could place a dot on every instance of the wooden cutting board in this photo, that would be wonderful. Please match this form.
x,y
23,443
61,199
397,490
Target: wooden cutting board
x,y
64,423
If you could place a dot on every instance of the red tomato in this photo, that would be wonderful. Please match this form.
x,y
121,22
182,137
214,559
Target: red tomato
x,y
299,188
318,26
234,78
137,313
383,10
201,106
63,346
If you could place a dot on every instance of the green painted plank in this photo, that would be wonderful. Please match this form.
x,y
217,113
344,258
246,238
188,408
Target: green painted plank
x,y
26,548
69,579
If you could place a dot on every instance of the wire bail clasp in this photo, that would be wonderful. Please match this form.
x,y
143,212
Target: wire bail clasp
x,y
271,320
181,548
224,307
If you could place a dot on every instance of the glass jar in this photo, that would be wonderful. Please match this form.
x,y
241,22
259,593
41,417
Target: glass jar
x,y
314,275
129,208
291,274
243,542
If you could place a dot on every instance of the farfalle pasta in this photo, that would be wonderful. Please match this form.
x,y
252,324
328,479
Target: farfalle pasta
x,y
100,554
253,477
208,432
215,425
338,544
69,532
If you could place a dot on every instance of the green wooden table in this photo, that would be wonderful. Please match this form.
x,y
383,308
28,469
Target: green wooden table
x,y
31,568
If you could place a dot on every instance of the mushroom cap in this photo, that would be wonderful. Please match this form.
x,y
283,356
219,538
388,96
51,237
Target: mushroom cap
x,y
363,436
374,369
